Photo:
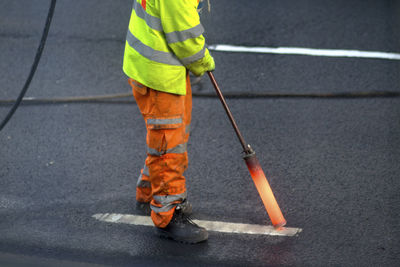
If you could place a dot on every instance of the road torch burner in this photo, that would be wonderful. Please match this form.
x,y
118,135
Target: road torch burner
x,y
264,190
256,172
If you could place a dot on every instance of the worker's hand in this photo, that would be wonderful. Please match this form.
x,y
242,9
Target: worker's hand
x,y
200,66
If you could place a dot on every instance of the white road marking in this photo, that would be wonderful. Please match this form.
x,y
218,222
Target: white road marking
x,y
306,51
223,227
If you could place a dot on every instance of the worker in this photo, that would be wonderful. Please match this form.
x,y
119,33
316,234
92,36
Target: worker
x,y
164,42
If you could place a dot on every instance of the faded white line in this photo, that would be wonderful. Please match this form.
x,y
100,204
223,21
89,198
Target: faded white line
x,y
306,51
223,227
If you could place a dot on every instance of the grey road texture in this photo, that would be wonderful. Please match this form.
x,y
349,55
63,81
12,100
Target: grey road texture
x,y
333,163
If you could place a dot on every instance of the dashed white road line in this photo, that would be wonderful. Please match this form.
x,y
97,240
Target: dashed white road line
x,y
306,51
223,227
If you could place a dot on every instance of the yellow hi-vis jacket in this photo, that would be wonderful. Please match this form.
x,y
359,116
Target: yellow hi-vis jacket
x,y
163,37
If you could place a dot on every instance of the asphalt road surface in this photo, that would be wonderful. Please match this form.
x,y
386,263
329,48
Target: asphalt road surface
x,y
333,163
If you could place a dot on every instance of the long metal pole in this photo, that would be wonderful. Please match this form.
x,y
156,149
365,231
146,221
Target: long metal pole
x,y
246,148
256,172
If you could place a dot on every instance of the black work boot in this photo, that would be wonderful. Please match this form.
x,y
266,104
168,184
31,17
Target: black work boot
x,y
144,207
182,229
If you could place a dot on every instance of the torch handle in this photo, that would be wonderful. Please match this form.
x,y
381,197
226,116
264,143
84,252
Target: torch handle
x,y
246,148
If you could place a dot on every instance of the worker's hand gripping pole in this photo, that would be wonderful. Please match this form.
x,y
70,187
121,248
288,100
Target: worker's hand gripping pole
x,y
254,167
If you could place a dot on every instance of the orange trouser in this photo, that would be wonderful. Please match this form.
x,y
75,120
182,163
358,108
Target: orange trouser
x,y
161,181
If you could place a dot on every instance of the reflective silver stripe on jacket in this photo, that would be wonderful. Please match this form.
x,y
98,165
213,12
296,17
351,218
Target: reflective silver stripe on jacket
x,y
150,53
181,148
151,21
166,201
199,55
181,36
142,183
164,121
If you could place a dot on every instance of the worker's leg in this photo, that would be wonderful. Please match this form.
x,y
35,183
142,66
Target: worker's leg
x,y
167,119
167,167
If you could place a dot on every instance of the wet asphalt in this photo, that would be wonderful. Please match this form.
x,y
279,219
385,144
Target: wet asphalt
x,y
333,163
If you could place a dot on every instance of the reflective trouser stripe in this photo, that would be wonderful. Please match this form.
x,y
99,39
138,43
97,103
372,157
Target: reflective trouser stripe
x,y
162,209
141,183
199,55
181,148
150,53
181,36
146,170
167,202
164,121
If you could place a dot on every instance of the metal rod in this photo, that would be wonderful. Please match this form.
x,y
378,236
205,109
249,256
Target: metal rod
x,y
246,148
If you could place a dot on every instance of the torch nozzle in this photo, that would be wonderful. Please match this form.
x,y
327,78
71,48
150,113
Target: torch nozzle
x,y
264,190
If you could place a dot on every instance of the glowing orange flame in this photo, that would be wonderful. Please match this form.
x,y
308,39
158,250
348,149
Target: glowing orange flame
x,y
265,191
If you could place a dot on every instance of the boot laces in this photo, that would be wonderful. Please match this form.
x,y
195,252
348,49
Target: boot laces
x,y
181,217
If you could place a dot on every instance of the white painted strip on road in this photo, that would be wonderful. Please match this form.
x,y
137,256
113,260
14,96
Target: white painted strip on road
x,y
306,51
223,227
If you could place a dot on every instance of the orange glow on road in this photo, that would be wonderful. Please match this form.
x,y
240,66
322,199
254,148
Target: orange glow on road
x,y
265,192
